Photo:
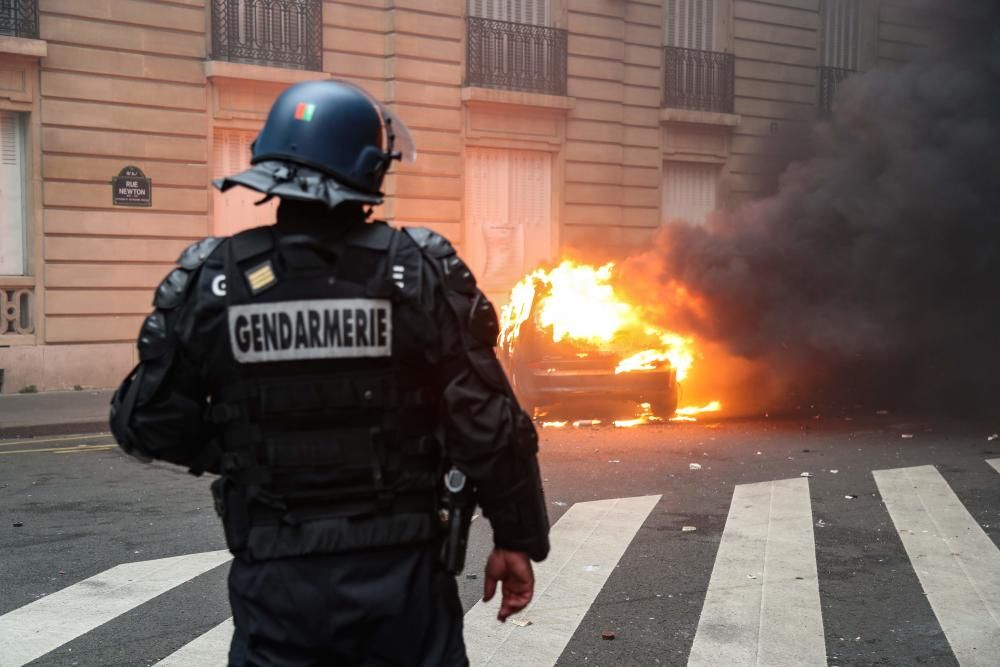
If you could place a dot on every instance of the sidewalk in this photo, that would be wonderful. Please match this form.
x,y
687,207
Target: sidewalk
x,y
54,413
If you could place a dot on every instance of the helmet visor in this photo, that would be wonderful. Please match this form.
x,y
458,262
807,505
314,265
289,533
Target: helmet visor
x,y
399,137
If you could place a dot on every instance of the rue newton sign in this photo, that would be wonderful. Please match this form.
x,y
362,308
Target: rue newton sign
x,y
131,188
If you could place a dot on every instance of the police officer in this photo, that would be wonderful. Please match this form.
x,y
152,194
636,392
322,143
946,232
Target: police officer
x,y
331,370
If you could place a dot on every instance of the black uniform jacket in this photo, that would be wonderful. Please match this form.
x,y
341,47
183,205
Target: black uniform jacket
x,y
162,409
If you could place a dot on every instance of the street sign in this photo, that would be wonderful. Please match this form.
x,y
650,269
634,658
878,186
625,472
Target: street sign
x,y
131,188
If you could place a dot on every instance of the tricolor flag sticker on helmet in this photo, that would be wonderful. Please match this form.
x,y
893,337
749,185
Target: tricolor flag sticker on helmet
x,y
304,111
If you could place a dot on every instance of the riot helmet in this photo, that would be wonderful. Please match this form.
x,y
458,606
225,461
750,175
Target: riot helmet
x,y
327,141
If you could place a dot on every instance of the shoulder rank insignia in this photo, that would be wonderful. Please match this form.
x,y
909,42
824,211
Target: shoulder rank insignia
x,y
260,277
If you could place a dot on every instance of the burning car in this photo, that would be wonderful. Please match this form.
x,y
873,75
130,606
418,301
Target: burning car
x,y
566,335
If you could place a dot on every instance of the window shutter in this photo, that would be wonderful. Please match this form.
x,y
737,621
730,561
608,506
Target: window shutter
x,y
683,27
841,33
530,208
670,33
488,212
541,12
698,25
486,9
12,218
709,26
517,11
234,210
508,213
690,24
689,191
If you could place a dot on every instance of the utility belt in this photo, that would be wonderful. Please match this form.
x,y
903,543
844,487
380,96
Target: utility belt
x,y
258,527
310,477
291,475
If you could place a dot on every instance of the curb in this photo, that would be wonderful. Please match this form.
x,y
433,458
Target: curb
x,y
68,428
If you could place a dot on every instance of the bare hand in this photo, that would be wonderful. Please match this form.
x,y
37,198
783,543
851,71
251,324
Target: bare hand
x,y
513,568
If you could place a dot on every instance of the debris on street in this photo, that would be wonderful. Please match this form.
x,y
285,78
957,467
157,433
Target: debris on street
x,y
607,635
694,466
806,474
688,529
993,437
521,622
18,524
907,436
851,496
614,460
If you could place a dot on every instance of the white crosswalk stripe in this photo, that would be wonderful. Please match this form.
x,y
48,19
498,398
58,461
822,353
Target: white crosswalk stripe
x,y
212,648
957,563
762,605
587,543
35,629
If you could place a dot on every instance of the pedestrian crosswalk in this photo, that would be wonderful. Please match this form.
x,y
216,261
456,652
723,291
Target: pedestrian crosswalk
x,y
46,624
762,604
957,563
587,543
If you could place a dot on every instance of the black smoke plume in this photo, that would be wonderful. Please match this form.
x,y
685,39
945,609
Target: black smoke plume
x,y
872,276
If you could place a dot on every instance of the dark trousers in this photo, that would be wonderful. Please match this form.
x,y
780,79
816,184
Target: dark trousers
x,y
391,606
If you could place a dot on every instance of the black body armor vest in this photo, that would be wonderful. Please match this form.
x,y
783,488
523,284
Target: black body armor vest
x,y
325,398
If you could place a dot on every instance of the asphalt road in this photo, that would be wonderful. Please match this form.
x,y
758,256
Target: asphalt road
x,y
72,508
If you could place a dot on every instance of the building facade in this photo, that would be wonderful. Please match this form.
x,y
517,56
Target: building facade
x,y
543,126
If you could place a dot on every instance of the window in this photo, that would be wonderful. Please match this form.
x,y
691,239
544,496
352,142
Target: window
x,y
234,210
509,44
689,191
279,33
534,12
19,18
508,212
695,74
13,232
841,34
840,48
691,24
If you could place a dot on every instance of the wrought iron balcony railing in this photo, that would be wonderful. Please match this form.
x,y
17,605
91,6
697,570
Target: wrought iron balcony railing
x,y
515,56
19,18
279,33
829,81
699,80
17,316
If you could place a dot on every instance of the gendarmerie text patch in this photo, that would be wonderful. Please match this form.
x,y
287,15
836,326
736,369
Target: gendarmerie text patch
x,y
314,329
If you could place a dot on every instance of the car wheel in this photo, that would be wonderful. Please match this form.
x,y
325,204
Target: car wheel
x,y
663,406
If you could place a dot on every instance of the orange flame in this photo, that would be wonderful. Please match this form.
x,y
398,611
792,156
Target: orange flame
x,y
578,303
714,406
688,414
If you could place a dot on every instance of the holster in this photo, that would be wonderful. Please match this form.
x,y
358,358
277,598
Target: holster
x,y
459,506
231,506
